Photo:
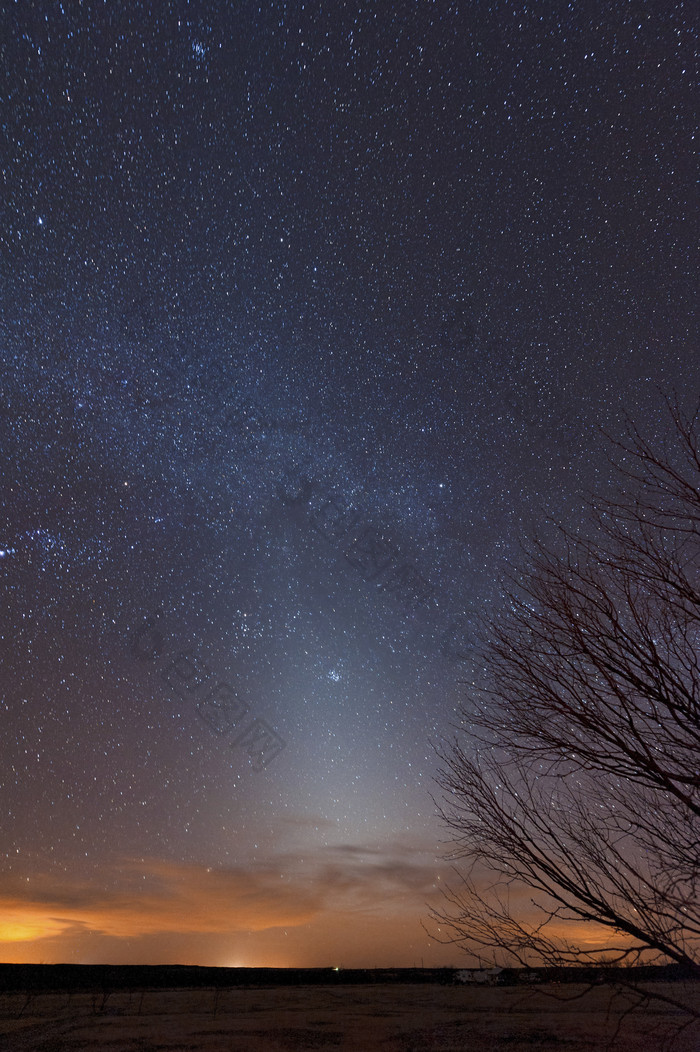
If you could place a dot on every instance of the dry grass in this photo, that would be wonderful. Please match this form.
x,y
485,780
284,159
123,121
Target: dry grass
x,y
389,1018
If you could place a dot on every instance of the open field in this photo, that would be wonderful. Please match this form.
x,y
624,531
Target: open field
x,y
386,1017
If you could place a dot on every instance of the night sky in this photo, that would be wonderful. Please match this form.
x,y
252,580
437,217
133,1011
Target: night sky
x,y
310,313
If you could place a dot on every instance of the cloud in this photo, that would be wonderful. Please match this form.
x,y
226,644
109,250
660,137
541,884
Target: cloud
x,y
351,903
131,898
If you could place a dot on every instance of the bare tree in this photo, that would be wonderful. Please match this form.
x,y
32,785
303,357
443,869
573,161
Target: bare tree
x,y
571,789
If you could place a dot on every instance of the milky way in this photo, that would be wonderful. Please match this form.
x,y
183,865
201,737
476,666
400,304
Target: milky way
x,y
310,314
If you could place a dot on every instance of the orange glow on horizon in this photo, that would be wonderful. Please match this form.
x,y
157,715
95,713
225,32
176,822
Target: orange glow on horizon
x,y
160,912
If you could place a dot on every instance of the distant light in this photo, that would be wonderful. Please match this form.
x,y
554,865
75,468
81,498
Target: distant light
x,y
40,221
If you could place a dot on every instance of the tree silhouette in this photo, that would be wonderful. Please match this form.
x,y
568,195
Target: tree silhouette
x,y
571,788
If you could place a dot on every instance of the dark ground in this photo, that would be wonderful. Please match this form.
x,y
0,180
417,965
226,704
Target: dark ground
x,y
225,1010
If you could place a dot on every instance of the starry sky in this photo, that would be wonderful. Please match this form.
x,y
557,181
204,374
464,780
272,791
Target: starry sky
x,y
310,313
